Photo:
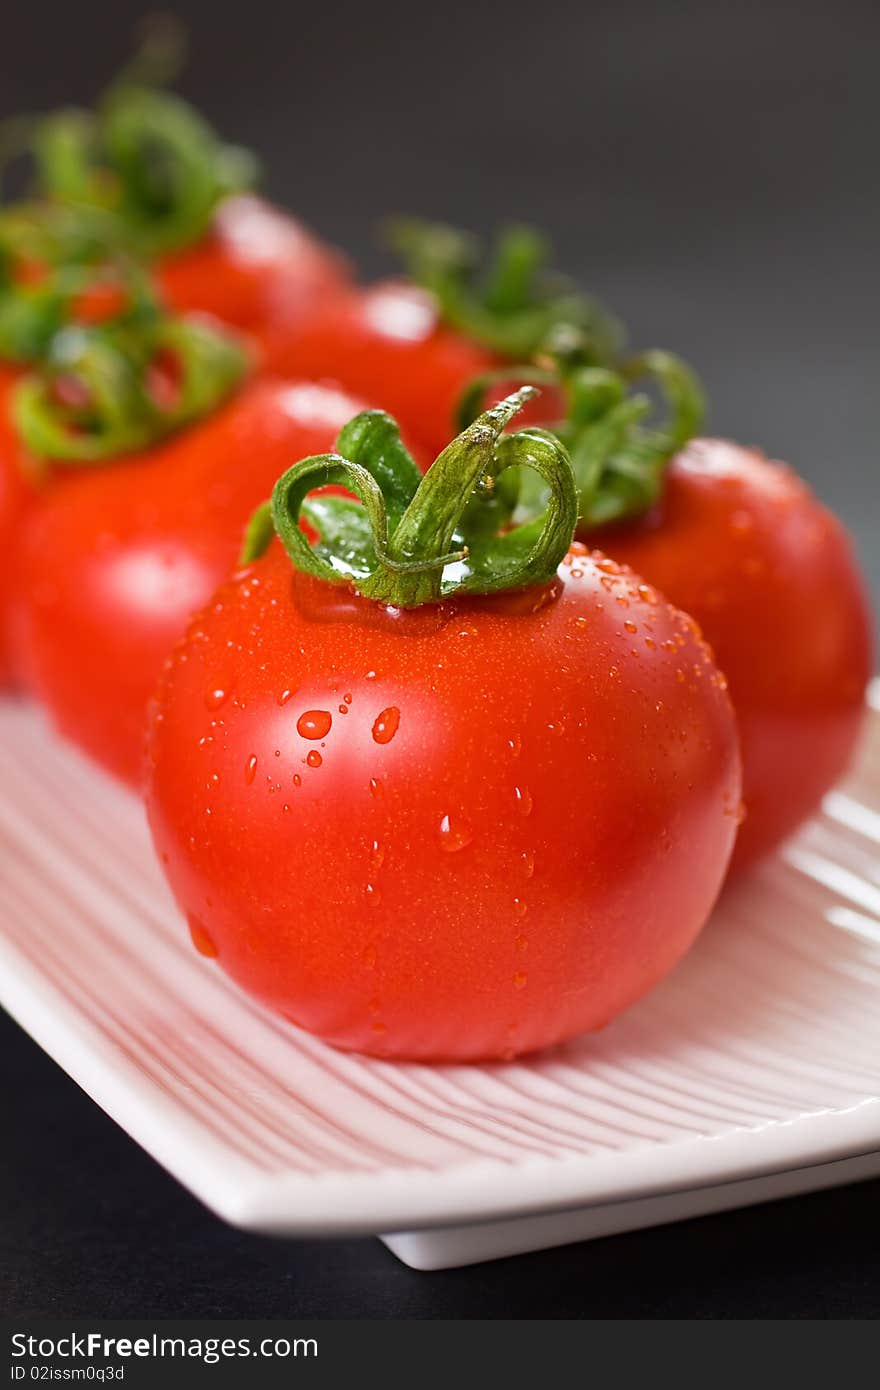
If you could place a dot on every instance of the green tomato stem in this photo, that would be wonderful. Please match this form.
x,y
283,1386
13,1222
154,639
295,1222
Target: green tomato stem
x,y
110,407
618,453
143,156
410,539
514,305
49,256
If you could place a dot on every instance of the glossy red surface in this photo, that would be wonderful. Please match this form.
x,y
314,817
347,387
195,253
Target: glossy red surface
x,y
387,343
258,269
114,559
463,832
769,573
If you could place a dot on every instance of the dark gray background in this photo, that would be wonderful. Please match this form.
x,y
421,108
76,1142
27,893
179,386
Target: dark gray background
x,y
712,170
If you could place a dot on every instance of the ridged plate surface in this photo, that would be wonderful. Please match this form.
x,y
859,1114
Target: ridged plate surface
x,y
761,1053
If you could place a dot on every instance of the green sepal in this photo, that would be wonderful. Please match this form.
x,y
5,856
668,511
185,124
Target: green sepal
x,y
344,537
112,410
169,168
143,157
73,252
373,440
406,540
619,453
515,306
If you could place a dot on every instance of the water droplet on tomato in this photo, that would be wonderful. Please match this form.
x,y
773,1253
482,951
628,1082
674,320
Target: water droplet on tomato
x,y
297,780
515,746
630,625
250,769
527,859
201,938
520,908
557,728
581,622
376,788
343,709
347,699
314,758
455,834
524,800
216,697
372,895
314,723
386,725
285,696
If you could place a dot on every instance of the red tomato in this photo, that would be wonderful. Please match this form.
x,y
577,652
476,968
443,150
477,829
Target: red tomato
x,y
743,545
459,832
388,344
258,270
114,559
15,495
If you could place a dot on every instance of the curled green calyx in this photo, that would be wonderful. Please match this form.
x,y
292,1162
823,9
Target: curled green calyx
x,y
120,386
406,539
142,157
511,302
619,450
51,259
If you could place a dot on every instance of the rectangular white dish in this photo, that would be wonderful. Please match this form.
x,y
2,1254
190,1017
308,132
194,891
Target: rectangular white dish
x,y
753,1072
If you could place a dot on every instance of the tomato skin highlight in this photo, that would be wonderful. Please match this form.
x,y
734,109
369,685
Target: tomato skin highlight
x,y
742,544
114,559
457,833
258,269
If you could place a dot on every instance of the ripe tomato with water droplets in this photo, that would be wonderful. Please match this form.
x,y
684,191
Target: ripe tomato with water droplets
x,y
742,545
463,831
114,559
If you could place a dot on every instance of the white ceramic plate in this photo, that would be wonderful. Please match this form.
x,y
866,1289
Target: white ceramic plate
x,y
753,1072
